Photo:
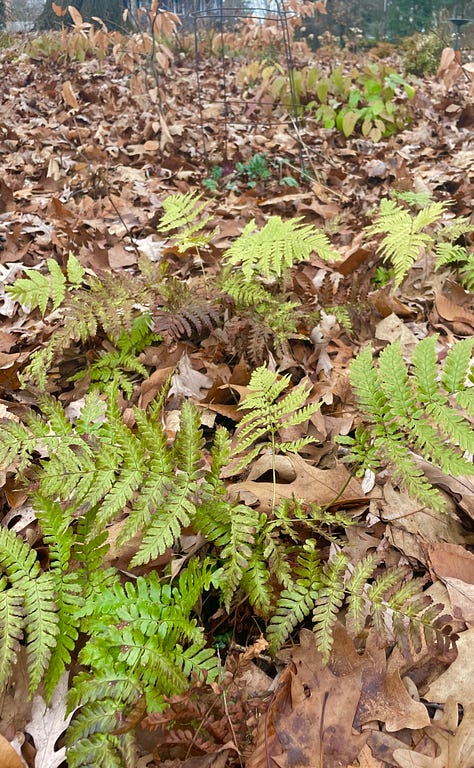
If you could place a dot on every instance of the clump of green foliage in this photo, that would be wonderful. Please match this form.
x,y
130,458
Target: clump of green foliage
x,y
373,102
258,170
407,233
143,639
422,53
420,411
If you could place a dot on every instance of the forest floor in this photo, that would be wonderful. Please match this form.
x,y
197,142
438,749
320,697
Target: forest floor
x,y
89,152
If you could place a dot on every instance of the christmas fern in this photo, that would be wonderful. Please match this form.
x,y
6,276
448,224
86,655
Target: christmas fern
x,y
410,413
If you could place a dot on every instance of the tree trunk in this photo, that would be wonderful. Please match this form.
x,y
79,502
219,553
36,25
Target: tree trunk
x,y
110,11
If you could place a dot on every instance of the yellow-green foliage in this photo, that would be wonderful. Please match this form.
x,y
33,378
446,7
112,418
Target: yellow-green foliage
x,y
415,411
407,234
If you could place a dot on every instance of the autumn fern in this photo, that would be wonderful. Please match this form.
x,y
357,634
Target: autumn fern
x,y
410,413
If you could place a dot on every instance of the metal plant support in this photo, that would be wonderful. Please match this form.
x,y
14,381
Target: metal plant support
x,y
214,15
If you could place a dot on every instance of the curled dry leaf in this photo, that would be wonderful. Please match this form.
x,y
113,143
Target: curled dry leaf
x,y
9,758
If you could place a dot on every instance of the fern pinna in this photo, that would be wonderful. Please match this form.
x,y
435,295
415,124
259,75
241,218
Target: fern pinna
x,y
423,411
144,644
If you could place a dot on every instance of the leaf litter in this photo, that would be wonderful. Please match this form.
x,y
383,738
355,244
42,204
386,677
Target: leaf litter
x,y
87,160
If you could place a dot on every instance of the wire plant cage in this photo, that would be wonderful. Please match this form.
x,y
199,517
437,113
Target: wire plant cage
x,y
225,108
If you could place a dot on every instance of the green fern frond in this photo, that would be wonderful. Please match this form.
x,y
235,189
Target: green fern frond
x,y
58,283
456,228
11,626
457,366
401,246
143,642
406,235
56,526
408,410
181,211
429,215
237,553
356,587
108,303
329,601
19,564
299,600
448,253
246,293
268,412
75,271
100,750
256,583
36,289
184,492
277,247
420,199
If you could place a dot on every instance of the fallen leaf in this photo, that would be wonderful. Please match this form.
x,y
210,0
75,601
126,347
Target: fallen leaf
x,y
457,680
309,722
411,525
455,742
454,565
454,313
187,382
69,96
47,724
9,758
384,696
319,486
